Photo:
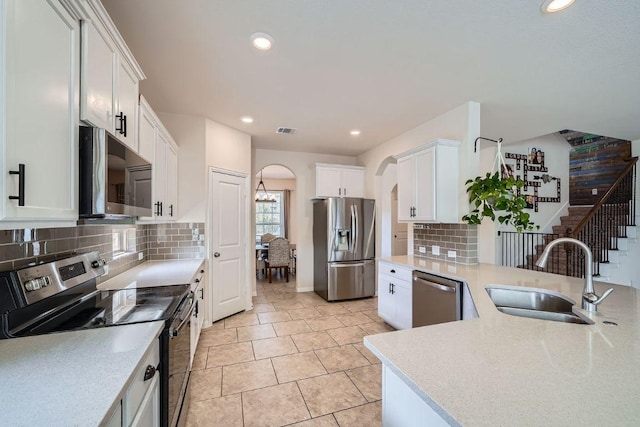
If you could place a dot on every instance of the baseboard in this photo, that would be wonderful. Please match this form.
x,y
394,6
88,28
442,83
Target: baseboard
x,y
307,289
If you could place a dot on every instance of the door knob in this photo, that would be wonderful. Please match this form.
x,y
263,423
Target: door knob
x,y
216,254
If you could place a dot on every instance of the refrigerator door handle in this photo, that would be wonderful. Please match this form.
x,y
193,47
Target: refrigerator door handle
x,y
356,229
349,264
352,230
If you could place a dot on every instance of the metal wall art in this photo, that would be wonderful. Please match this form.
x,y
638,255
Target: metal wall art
x,y
531,169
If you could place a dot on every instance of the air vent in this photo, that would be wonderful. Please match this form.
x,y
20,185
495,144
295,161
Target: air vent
x,y
286,131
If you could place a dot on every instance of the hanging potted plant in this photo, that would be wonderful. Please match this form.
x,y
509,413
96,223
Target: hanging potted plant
x,y
495,196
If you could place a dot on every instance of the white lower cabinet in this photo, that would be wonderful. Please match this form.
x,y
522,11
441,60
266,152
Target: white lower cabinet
x,y
394,295
115,420
197,319
402,407
141,402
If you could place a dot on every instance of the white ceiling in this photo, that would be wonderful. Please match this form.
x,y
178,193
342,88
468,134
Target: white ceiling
x,y
276,172
386,66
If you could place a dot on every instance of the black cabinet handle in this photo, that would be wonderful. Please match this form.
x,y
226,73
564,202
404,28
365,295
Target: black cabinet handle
x,y
202,293
157,205
393,271
160,208
150,372
170,210
122,118
20,173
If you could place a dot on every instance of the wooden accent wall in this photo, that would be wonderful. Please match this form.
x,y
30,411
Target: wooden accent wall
x,y
594,163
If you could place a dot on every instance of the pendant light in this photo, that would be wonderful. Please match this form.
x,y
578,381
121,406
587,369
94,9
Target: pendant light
x,y
263,196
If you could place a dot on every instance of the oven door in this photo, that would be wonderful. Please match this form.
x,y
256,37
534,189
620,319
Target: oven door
x,y
180,360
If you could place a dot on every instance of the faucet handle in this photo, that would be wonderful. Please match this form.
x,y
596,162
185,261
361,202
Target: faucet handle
x,y
595,299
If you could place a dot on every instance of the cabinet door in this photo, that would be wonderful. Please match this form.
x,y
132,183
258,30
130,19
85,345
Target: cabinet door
x,y
116,418
406,188
402,293
386,300
425,169
146,132
328,182
97,74
172,183
160,176
352,183
148,414
127,106
41,123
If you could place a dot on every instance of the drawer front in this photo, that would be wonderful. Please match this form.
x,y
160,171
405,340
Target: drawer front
x,y
139,387
385,279
393,270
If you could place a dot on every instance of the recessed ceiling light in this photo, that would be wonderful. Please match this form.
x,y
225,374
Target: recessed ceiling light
x,y
551,6
355,132
247,119
261,41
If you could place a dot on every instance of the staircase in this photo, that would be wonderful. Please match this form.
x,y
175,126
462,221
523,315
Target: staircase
x,y
608,228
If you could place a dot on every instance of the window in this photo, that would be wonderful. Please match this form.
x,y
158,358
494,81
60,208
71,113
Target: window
x,y
123,241
269,217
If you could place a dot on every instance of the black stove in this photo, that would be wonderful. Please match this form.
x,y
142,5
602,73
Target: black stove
x,y
62,296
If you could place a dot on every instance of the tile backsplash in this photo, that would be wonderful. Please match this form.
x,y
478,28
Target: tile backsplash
x,y
461,238
22,247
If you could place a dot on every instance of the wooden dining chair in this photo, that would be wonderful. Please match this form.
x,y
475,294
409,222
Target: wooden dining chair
x,y
278,257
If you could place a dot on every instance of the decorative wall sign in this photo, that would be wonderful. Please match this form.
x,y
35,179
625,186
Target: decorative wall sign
x,y
534,175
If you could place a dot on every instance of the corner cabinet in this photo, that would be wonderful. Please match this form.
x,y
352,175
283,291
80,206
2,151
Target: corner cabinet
x,y
395,295
339,181
156,145
110,77
428,178
39,90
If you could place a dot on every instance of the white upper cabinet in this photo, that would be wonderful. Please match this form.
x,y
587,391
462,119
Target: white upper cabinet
x,y
39,70
428,179
339,181
110,77
146,130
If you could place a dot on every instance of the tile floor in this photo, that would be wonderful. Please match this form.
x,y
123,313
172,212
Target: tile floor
x,y
293,360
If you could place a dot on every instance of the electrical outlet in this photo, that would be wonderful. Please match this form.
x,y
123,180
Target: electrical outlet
x,y
140,256
435,250
594,191
418,226
106,268
422,250
451,254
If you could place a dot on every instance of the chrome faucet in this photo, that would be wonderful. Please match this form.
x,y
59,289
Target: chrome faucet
x,y
590,299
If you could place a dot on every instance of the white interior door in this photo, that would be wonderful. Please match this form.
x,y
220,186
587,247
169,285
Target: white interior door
x,y
228,237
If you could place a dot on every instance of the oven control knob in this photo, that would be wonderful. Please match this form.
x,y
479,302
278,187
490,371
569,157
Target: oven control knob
x,y
45,281
28,286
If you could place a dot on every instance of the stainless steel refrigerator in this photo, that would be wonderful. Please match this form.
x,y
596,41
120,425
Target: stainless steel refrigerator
x,y
344,248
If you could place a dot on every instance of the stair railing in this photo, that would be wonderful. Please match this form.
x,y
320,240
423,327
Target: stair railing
x,y
521,250
605,222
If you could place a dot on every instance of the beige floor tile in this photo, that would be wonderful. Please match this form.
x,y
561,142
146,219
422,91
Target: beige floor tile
x,y
368,379
273,347
362,305
325,421
297,367
332,309
276,316
369,415
247,376
263,308
304,313
313,341
353,319
373,315
273,297
257,332
312,300
287,305
215,326
260,300
223,411
373,328
341,358
200,358
218,337
205,384
348,335
274,406
229,354
330,393
291,327
242,319
367,353
324,323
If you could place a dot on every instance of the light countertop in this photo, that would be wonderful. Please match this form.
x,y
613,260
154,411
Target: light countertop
x,y
156,273
70,378
505,370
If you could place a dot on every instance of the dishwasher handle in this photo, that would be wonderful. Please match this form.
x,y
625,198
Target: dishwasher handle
x,y
438,286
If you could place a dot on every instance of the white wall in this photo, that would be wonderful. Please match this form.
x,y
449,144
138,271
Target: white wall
x,y
303,166
460,124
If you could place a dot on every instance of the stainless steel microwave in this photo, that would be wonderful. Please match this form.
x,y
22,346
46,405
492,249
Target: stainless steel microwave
x,y
114,181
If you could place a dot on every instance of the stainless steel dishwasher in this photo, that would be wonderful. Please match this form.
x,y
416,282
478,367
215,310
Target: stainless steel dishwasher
x,y
435,299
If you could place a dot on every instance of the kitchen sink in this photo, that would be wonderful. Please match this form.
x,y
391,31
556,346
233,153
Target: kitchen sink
x,y
535,303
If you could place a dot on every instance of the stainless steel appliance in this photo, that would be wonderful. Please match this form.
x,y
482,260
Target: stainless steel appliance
x,y
344,248
114,180
435,299
62,296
